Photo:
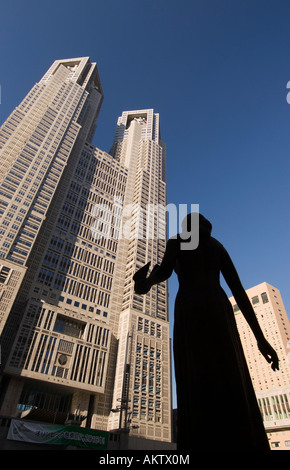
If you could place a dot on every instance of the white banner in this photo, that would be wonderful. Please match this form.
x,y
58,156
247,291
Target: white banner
x,y
39,433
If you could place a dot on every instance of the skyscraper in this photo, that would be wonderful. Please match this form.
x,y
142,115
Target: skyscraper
x,y
272,388
77,223
143,325
38,140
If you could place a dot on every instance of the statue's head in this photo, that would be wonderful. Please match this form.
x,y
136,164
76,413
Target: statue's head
x,y
196,222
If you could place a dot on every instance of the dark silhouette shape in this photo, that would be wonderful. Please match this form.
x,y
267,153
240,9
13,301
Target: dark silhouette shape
x,y
216,402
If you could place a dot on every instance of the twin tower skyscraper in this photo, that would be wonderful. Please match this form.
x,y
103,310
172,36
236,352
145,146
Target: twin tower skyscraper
x,y
74,335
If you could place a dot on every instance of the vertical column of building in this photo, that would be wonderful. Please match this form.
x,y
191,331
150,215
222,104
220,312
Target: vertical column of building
x,y
41,154
144,325
126,151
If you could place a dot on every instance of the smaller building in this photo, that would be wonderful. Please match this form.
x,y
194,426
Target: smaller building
x,y
272,388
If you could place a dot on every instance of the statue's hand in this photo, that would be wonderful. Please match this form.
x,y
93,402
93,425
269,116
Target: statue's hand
x,y
269,354
141,286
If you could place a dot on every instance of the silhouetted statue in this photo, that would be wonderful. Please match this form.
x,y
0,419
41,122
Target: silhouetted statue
x,y
216,402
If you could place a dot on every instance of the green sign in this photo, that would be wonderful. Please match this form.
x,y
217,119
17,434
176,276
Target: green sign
x,y
39,433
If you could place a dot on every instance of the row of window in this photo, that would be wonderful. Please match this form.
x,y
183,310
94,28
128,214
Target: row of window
x,y
274,407
255,301
278,444
149,327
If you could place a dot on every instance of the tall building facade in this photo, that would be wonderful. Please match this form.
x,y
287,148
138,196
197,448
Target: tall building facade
x,y
44,134
143,325
75,229
272,388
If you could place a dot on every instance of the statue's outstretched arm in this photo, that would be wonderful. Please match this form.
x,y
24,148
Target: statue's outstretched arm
x,y
231,277
159,273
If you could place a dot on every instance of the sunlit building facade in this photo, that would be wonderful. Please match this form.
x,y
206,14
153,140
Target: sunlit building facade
x,y
75,337
44,134
272,388
143,324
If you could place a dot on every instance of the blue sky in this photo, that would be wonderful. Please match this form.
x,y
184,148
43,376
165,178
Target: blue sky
x,y
215,71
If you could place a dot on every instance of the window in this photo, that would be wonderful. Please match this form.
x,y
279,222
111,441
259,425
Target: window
x,y
264,297
69,326
4,274
45,276
255,300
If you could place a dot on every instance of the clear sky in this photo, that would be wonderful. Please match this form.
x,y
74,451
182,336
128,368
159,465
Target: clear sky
x,y
216,71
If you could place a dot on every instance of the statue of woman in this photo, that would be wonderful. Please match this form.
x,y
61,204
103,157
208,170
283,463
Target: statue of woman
x,y
216,402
